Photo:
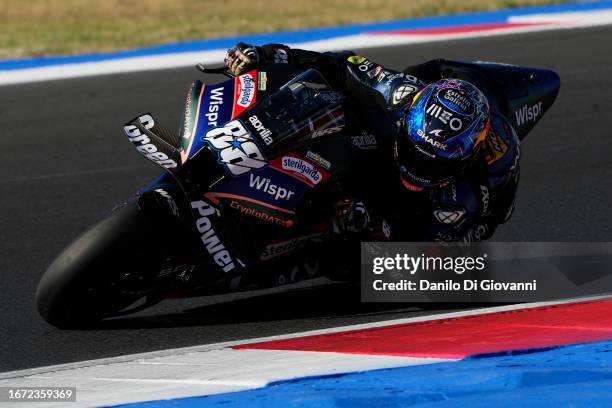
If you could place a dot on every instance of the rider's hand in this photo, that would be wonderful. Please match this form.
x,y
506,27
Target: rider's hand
x,y
241,58
351,216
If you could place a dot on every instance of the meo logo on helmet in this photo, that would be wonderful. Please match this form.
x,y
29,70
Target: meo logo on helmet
x,y
444,116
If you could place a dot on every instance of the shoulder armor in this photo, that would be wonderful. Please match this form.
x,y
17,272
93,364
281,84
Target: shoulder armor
x,y
501,147
396,88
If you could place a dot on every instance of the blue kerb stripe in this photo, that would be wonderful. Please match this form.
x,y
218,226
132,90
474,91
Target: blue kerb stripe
x,y
577,375
298,36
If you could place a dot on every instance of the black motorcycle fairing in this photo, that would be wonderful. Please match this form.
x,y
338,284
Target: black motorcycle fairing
x,y
290,124
183,192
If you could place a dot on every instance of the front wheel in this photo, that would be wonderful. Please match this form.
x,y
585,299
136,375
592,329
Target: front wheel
x,y
103,272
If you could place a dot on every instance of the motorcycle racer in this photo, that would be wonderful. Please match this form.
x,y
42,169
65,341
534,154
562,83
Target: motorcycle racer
x,y
432,161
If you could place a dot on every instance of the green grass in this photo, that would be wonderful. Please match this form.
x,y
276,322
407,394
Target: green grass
x,y
52,27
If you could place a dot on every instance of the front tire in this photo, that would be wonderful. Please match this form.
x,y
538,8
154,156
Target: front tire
x,y
98,274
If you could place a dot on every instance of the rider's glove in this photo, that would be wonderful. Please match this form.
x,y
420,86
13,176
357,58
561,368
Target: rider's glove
x,y
351,216
241,58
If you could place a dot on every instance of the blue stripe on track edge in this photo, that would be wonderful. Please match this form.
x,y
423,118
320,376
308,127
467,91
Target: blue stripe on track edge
x,y
305,35
576,375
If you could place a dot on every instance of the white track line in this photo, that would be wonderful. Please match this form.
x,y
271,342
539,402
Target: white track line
x,y
553,21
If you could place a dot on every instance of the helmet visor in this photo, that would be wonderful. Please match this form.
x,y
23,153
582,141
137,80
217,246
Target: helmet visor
x,y
422,168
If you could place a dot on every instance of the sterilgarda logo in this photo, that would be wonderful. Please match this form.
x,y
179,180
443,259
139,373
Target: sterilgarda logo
x,y
246,90
283,247
303,169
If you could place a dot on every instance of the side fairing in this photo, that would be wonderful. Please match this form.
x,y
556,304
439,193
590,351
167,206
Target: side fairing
x,y
270,153
188,120
210,106
528,92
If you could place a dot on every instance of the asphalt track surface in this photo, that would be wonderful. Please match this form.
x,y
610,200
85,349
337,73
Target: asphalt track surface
x,y
64,162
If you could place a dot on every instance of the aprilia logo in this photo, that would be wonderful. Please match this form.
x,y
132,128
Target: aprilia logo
x,y
364,141
263,131
209,238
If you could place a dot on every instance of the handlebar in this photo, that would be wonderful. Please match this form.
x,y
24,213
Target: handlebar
x,y
219,70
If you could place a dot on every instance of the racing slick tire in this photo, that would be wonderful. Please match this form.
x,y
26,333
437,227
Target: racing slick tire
x,y
87,281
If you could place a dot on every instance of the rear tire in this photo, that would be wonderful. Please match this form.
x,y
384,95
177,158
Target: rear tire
x,y
86,282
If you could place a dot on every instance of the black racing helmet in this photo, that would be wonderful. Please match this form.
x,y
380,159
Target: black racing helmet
x,y
443,130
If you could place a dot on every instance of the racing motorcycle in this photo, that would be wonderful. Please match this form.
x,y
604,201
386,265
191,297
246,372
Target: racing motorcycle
x,y
245,194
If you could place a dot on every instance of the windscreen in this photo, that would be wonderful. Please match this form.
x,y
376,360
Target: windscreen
x,y
305,107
